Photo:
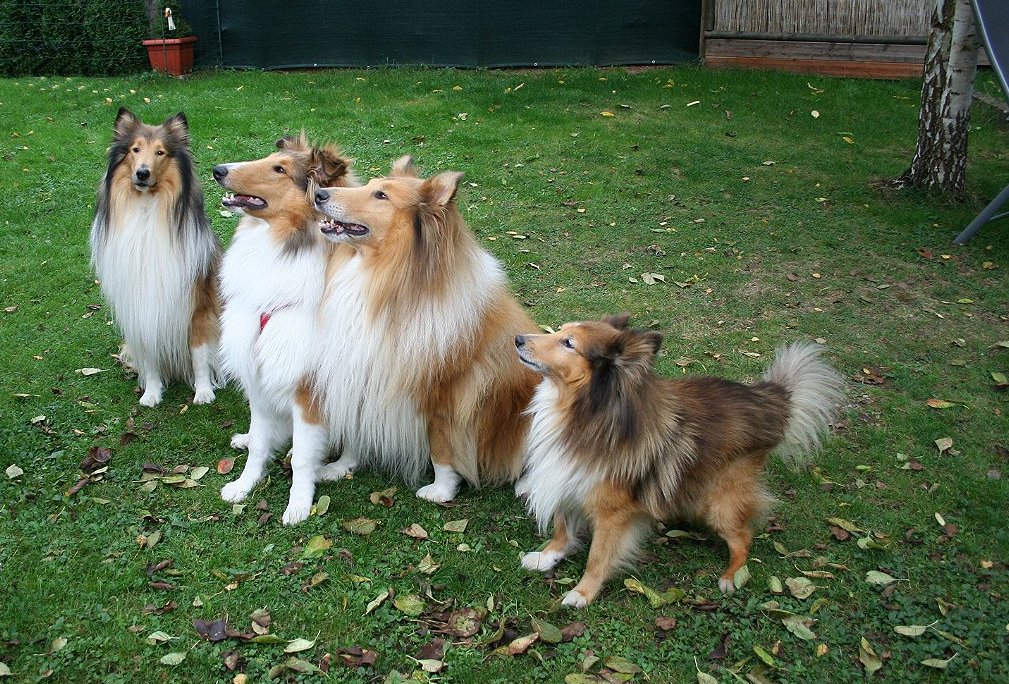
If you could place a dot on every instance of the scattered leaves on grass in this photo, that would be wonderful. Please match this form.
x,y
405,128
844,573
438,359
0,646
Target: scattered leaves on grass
x,y
211,630
409,604
845,525
97,457
939,403
299,645
376,602
655,598
362,526
944,444
464,622
521,644
741,577
173,659
880,578
867,656
355,657
703,677
384,497
800,587
427,565
456,525
13,471
225,465
938,663
549,633
317,546
912,630
415,531
321,506
159,637
87,372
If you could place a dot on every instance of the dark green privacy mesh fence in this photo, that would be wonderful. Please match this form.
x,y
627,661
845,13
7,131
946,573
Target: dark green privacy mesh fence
x,y
103,37
462,33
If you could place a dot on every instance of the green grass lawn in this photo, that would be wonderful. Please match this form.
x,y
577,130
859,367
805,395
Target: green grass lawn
x,y
751,194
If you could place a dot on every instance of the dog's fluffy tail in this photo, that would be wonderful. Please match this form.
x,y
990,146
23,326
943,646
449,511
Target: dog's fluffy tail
x,y
815,394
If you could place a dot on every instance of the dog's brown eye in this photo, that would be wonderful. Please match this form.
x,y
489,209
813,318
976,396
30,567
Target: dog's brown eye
x,y
279,169
568,342
160,153
379,195
136,149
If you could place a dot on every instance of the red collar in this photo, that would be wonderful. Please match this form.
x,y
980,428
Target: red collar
x,y
264,318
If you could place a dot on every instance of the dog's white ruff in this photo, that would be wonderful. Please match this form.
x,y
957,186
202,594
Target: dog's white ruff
x,y
147,269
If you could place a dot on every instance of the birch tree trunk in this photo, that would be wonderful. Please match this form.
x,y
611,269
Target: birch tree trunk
x,y
940,157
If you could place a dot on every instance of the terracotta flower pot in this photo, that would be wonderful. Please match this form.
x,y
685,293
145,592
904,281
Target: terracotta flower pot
x,y
171,55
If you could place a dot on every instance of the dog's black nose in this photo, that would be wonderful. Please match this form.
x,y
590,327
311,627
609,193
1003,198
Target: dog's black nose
x,y
321,195
520,341
143,173
220,171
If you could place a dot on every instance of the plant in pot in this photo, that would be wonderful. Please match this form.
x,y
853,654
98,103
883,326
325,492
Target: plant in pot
x,y
170,42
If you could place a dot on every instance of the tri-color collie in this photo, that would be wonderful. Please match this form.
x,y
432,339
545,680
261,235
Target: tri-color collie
x,y
614,447
272,280
416,365
157,258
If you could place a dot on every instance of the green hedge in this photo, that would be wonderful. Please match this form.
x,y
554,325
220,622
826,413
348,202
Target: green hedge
x,y
83,37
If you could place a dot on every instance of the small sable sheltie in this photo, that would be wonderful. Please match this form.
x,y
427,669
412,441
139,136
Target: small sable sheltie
x,y
157,258
416,365
615,446
272,279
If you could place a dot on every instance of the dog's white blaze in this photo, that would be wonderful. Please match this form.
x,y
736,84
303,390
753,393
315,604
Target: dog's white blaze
x,y
554,480
368,367
147,277
258,277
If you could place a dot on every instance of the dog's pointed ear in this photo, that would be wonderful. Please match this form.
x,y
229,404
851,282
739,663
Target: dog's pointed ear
x,y
440,190
125,121
326,165
293,143
652,339
177,123
619,321
404,167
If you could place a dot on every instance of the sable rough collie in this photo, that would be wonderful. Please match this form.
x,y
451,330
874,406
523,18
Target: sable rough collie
x,y
615,446
272,280
416,364
156,256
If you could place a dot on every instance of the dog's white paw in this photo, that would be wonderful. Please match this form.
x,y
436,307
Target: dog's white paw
x,y
541,560
726,585
151,397
334,471
240,441
235,491
204,396
575,599
296,512
436,492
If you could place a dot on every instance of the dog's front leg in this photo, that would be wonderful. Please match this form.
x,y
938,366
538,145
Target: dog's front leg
x,y
444,450
310,443
618,523
268,432
564,542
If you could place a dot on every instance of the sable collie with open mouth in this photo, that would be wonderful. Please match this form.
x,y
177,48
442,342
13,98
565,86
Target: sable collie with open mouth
x,y
272,280
417,365
156,257
614,447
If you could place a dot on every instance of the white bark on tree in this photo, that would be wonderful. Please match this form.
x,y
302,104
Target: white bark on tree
x,y
940,157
